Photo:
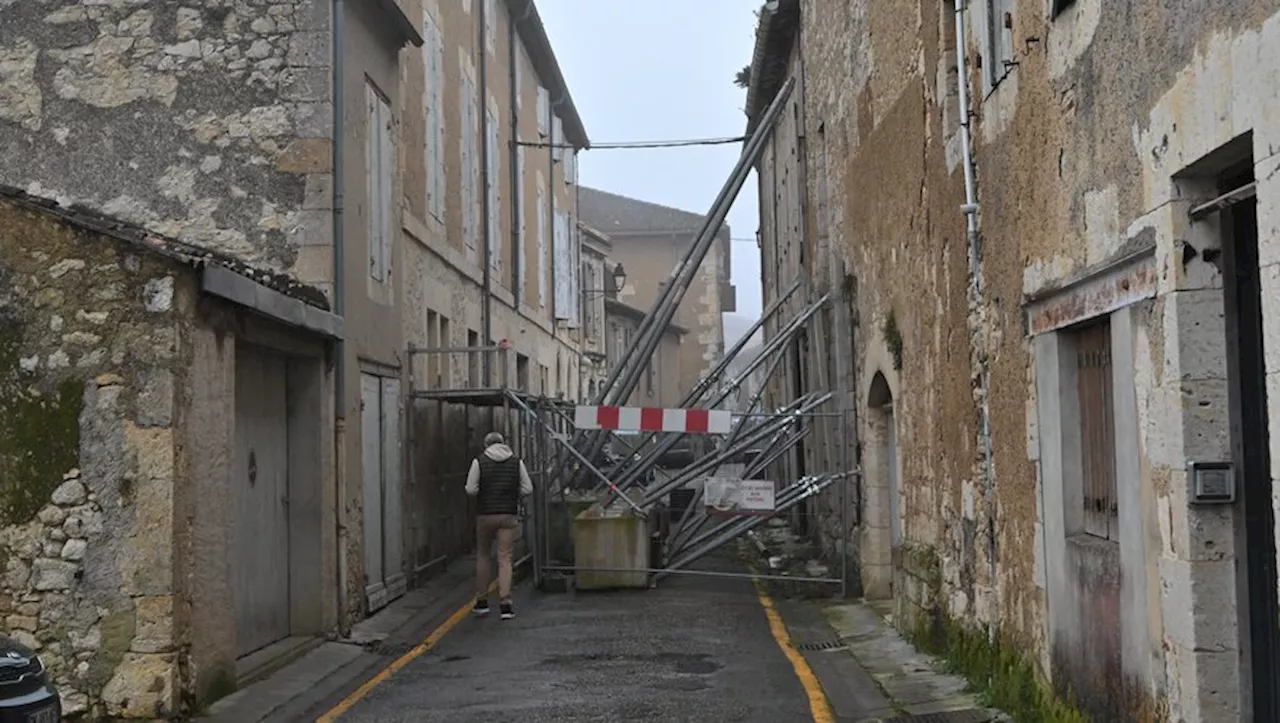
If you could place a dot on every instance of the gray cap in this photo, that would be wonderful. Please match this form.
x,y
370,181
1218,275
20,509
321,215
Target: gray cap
x,y
492,438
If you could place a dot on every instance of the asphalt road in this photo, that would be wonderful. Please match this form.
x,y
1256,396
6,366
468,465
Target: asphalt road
x,y
694,649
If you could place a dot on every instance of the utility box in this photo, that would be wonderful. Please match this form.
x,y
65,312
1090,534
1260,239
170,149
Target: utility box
x,y
616,539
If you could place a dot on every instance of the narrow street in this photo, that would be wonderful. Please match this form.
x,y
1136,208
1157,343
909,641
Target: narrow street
x,y
694,649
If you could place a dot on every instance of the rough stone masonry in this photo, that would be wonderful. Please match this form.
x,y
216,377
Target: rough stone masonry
x,y
207,121
90,343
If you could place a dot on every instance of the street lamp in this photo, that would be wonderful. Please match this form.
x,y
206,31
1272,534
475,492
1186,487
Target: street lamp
x,y
619,277
619,281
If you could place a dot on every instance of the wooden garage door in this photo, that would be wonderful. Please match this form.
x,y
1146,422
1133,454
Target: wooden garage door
x,y
260,480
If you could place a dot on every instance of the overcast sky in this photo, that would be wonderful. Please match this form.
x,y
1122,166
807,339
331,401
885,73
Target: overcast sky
x,y
663,70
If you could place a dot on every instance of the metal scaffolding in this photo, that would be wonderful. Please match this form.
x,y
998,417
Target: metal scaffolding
x,y
576,469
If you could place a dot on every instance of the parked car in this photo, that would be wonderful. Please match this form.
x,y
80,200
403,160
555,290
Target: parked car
x,y
26,695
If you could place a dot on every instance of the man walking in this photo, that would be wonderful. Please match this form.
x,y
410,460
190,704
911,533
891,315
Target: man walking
x,y
498,479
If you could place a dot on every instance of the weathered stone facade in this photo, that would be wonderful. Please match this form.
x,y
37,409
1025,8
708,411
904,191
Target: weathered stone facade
x,y
88,447
209,121
1090,150
649,240
96,359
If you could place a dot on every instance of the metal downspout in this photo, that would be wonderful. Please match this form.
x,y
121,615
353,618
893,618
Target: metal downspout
x,y
485,262
517,206
970,210
339,308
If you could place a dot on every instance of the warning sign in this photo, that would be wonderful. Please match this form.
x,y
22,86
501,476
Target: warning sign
x,y
736,496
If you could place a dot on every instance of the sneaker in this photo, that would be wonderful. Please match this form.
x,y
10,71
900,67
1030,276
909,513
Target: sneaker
x,y
507,612
482,607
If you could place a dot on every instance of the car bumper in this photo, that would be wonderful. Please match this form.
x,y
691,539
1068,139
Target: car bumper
x,y
40,706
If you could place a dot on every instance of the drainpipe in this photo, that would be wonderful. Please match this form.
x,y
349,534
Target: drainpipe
x,y
339,308
485,264
517,214
970,210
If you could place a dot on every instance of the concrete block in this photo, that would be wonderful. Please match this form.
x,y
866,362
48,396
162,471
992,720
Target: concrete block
x,y
1206,684
617,541
1198,600
1268,175
1270,282
1273,416
1195,319
1196,533
1206,420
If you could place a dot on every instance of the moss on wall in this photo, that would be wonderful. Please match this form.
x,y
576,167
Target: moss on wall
x,y
39,433
893,339
997,669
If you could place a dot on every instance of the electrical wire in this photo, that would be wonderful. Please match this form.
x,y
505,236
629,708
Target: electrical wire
x,y
628,145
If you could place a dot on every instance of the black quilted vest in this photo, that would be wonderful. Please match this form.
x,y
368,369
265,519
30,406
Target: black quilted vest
x,y
499,486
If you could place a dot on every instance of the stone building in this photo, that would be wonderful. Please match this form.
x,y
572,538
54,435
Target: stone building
x,y
215,123
1046,399
610,330
150,394
490,241
649,240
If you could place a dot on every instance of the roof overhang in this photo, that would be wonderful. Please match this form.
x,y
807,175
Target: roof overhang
x,y
775,36
524,13
226,284
404,27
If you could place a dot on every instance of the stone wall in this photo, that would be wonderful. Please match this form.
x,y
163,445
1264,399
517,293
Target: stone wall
x,y
1082,151
90,345
207,121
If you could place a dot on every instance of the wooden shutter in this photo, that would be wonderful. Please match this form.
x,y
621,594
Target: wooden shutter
x,y
1097,429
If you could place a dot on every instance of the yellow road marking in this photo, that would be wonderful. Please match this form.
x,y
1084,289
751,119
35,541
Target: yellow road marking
x,y
818,706
432,639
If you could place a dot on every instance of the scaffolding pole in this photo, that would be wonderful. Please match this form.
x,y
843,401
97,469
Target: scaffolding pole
x,y
622,378
628,471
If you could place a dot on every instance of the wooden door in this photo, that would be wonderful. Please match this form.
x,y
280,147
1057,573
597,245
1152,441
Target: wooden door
x,y
260,485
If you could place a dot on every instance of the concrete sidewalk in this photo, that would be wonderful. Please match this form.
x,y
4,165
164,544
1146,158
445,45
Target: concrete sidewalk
x,y
308,686
871,674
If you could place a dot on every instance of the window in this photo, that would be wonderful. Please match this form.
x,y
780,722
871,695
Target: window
x,y
473,358
492,225
522,372
470,166
518,226
1092,345
433,100
520,60
544,111
951,78
561,269
557,139
490,22
998,57
433,342
542,249
379,175
589,312
570,166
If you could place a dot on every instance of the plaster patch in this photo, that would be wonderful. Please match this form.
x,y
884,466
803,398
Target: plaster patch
x,y
21,101
1071,33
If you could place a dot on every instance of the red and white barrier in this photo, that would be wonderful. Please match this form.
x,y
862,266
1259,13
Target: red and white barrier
x,y
654,419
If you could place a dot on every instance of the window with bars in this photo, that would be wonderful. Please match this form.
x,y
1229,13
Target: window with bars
x,y
1097,429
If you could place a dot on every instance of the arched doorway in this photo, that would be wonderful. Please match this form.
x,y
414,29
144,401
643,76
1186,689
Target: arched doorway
x,y
884,519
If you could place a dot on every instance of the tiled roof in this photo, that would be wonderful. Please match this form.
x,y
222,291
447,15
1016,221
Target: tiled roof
x,y
170,248
614,214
